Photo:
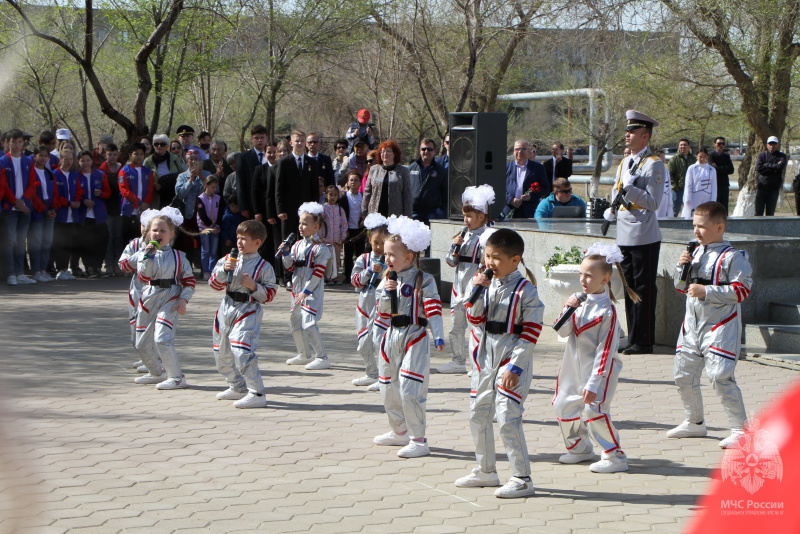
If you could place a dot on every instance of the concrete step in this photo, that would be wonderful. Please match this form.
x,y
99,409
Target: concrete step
x,y
780,359
784,312
772,337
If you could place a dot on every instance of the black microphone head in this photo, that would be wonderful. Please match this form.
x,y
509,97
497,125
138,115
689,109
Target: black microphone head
x,y
692,245
392,275
581,296
488,273
234,252
464,231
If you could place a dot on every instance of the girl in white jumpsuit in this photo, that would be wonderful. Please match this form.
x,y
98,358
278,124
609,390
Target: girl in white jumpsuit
x,y
467,261
308,260
511,313
590,369
409,304
368,266
168,285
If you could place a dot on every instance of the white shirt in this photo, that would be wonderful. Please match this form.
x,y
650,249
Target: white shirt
x,y
17,162
89,195
298,160
40,173
354,203
69,197
700,185
520,180
139,188
163,168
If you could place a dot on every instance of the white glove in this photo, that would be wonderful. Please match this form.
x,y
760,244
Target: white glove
x,y
609,215
628,180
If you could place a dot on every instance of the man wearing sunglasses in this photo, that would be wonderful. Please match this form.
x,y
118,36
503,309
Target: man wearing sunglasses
x,y
428,184
561,196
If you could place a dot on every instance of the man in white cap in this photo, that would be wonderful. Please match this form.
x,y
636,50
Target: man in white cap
x,y
770,165
640,178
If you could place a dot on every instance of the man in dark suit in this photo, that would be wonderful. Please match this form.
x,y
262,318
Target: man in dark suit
x,y
296,182
324,163
248,162
558,166
720,160
264,201
526,183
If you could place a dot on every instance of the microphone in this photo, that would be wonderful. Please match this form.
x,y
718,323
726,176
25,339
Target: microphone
x,y
373,282
477,291
687,267
287,243
157,246
567,313
454,249
234,256
393,295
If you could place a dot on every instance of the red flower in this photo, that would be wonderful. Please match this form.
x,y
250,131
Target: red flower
x,y
535,187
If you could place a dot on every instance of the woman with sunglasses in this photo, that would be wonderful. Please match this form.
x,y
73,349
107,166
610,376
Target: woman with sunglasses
x,y
166,166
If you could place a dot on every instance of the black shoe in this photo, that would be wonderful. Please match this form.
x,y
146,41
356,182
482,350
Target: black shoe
x,y
623,347
78,272
638,349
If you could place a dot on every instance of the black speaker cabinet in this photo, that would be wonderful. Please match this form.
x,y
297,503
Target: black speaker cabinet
x,y
477,156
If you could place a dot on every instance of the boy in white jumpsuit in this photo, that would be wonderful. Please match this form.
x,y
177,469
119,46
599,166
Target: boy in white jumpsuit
x,y
719,280
409,302
511,313
237,323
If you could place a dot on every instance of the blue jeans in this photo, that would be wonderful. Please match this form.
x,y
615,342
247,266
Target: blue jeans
x,y
209,244
40,239
116,243
16,224
677,202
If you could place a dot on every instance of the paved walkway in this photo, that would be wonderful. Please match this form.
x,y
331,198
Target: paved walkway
x,y
85,450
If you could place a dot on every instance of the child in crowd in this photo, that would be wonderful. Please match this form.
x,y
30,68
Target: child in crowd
x,y
15,215
365,279
46,202
128,263
136,188
208,219
168,285
335,226
700,184
93,235
308,260
511,314
67,216
322,189
116,243
719,279
249,282
590,368
231,220
351,204
409,302
466,256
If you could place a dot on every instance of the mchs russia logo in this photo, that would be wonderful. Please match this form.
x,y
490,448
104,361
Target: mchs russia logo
x,y
754,460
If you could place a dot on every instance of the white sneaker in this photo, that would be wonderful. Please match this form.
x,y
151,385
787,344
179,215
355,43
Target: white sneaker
x,y
150,379
11,280
731,441
390,438
142,369
137,364
478,479
297,360
688,430
252,400
173,383
64,275
515,488
452,368
469,373
570,458
231,394
42,276
614,463
414,449
374,387
364,381
318,364
22,279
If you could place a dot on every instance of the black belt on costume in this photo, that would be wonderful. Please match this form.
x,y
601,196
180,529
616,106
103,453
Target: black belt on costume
x,y
237,296
707,282
497,327
300,263
467,259
163,283
405,320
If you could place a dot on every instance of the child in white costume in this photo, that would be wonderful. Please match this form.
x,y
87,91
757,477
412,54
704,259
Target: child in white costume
x,y
366,276
308,260
409,301
168,285
700,185
590,368
511,314
466,255
237,323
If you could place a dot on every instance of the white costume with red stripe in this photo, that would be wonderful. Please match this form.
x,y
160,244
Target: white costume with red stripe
x,y
127,263
512,305
462,289
156,318
405,351
366,311
307,261
237,324
590,363
711,334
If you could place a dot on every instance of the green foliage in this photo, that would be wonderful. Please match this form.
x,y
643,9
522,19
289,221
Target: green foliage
x,y
572,256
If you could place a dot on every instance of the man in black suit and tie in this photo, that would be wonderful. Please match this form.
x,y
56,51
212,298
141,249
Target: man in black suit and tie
x,y
526,183
264,201
324,163
248,162
558,166
296,181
